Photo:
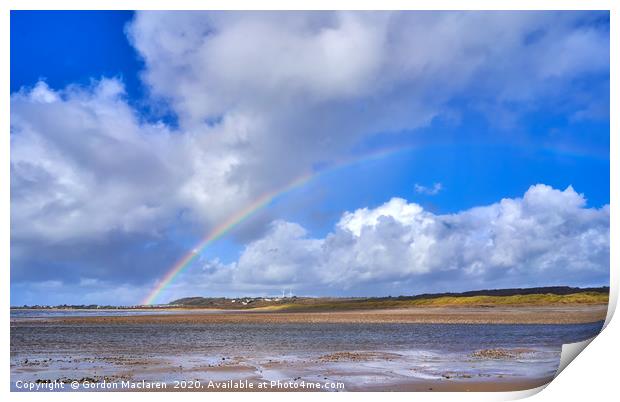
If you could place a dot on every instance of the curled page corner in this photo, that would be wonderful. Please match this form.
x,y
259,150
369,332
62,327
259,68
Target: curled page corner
x,y
526,393
569,352
611,304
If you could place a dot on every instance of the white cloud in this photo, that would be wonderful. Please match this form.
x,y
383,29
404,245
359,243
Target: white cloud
x,y
546,237
81,164
213,62
396,209
84,165
306,87
434,190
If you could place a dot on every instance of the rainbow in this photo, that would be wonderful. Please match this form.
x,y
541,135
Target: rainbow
x,y
261,202
220,231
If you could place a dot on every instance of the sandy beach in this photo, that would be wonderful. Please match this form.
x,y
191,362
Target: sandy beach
x,y
554,314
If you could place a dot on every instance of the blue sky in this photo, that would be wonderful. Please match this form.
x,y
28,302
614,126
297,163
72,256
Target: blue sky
x,y
72,47
133,136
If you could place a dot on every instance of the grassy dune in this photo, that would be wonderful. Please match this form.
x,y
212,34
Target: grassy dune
x,y
447,301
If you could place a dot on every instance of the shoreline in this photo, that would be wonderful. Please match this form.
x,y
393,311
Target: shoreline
x,y
554,314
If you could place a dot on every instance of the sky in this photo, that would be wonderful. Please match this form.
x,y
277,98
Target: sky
x,y
327,153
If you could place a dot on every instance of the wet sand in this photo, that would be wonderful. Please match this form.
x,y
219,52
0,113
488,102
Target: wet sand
x,y
553,314
185,346
340,371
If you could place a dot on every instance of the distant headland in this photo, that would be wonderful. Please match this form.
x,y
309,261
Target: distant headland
x,y
513,296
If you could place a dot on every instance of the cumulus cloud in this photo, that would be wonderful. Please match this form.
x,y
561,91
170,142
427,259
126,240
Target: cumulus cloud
x,y
83,165
548,236
433,190
307,86
213,63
